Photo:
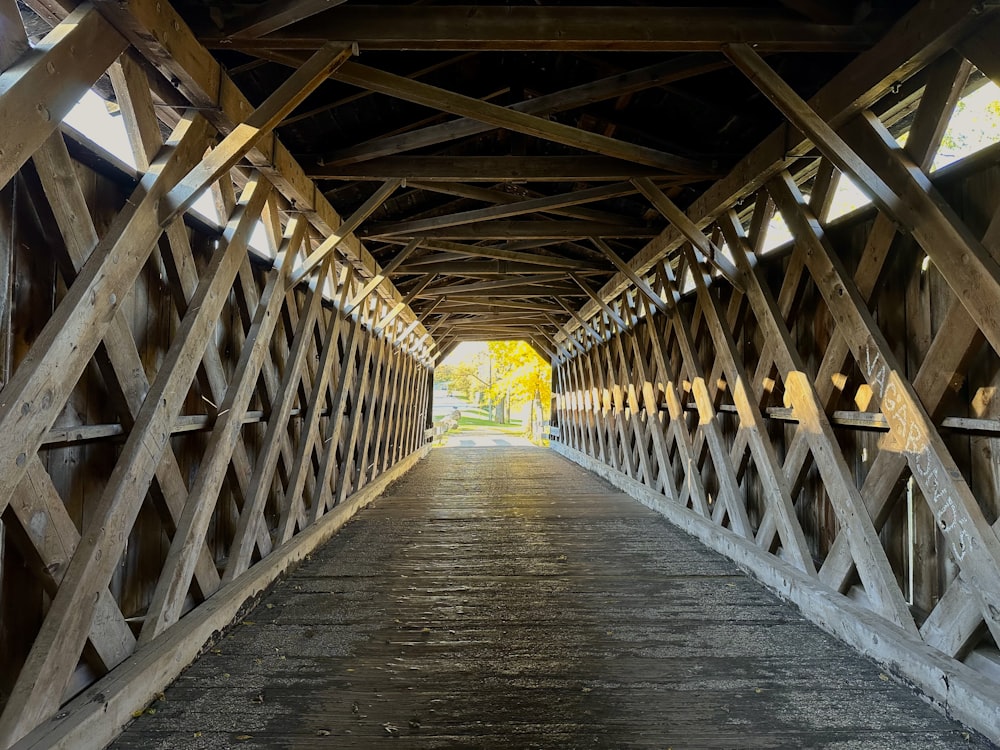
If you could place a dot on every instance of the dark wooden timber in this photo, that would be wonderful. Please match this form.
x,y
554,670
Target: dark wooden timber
x,y
507,598
555,29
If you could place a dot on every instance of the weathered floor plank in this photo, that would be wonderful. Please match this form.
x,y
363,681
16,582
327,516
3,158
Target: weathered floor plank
x,y
505,598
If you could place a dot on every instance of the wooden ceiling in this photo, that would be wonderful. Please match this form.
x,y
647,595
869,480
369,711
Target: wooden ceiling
x,y
490,155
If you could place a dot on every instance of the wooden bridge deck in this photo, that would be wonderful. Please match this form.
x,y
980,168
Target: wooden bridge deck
x,y
507,598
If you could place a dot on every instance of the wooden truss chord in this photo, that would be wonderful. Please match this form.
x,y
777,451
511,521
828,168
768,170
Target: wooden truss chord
x,y
566,28
490,169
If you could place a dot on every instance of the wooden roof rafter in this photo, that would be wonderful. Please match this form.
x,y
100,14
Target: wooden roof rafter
x,y
899,54
560,28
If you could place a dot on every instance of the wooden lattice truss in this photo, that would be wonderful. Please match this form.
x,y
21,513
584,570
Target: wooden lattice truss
x,y
339,389
682,396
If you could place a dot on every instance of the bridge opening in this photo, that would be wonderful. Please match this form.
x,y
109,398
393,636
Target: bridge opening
x,y
492,393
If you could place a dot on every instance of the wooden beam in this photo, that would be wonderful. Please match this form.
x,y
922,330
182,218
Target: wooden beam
x,y
497,197
526,283
944,87
46,82
258,124
542,350
531,230
49,532
488,169
175,579
481,268
968,267
360,399
13,39
553,29
806,119
518,208
426,95
123,364
385,273
411,295
638,282
348,389
37,391
498,318
454,250
597,338
135,102
686,66
311,426
525,293
685,226
274,15
608,310
476,304
346,228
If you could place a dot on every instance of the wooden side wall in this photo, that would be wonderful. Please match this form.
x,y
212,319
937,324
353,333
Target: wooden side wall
x,y
765,419
182,417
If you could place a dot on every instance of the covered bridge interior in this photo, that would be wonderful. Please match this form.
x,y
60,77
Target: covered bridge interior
x,y
191,407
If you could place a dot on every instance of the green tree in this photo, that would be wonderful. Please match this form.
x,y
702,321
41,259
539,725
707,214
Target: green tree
x,y
971,129
462,378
